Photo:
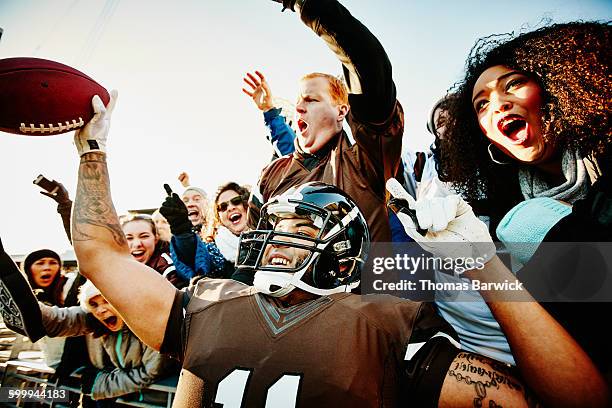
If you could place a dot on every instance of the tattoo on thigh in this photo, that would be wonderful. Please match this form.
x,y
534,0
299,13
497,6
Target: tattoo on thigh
x,y
479,386
483,374
93,205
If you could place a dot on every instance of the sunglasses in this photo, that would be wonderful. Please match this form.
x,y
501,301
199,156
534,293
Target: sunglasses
x,y
221,207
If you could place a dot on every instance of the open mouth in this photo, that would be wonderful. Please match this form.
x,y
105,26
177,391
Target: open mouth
x,y
514,127
137,254
46,276
110,321
278,261
302,125
235,218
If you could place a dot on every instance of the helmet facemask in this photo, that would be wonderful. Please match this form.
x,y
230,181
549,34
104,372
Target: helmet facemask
x,y
323,257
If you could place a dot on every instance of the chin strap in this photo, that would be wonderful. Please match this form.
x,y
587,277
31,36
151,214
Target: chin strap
x,y
287,282
264,280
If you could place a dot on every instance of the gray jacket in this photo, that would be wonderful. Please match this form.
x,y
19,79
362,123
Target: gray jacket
x,y
134,364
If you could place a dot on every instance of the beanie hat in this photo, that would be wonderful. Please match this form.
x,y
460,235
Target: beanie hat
x,y
196,189
86,292
524,227
35,256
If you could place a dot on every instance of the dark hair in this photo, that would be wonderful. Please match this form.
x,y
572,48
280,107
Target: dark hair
x,y
52,294
433,124
242,192
571,64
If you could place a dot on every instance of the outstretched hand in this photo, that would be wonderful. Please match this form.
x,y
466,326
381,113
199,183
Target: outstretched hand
x,y
92,137
60,195
175,212
259,91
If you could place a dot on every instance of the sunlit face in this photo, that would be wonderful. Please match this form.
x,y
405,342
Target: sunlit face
x,y
196,206
508,105
105,313
232,215
282,256
318,117
44,271
162,226
141,239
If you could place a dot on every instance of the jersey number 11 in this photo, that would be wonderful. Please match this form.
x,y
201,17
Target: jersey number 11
x,y
281,394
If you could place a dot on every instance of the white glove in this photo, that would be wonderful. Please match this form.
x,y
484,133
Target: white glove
x,y
453,230
92,137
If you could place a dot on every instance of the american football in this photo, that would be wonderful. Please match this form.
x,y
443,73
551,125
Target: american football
x,y
40,97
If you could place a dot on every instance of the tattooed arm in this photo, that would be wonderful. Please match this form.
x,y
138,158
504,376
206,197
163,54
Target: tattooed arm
x,y
133,288
141,295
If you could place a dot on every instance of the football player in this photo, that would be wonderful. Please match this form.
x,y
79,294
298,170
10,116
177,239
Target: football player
x,y
299,338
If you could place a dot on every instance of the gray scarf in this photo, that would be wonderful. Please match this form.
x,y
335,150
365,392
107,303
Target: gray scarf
x,y
573,189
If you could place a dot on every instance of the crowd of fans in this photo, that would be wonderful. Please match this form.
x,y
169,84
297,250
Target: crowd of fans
x,y
521,142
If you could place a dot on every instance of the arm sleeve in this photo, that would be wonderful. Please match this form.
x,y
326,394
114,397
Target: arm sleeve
x,y
121,381
183,249
214,261
375,117
64,210
64,321
366,66
281,135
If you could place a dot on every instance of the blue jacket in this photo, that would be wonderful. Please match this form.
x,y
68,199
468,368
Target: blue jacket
x,y
193,257
281,135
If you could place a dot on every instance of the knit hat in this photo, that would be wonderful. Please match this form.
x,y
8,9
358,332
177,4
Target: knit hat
x,y
86,292
524,227
198,190
35,256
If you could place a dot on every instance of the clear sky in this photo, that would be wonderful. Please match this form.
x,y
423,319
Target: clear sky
x,y
179,65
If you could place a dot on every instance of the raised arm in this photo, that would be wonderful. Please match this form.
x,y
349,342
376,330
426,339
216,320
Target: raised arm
x,y
64,321
64,204
366,66
281,135
132,288
375,116
18,305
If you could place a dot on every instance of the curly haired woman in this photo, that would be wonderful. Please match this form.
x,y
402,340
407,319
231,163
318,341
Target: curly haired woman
x,y
531,120
531,117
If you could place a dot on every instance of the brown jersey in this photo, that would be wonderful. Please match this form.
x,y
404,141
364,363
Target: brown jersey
x,y
359,169
243,349
376,121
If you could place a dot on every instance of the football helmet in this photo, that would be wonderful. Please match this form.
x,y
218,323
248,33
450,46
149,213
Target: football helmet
x,y
326,260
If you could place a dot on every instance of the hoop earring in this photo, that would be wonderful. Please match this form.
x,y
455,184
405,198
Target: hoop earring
x,y
493,159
